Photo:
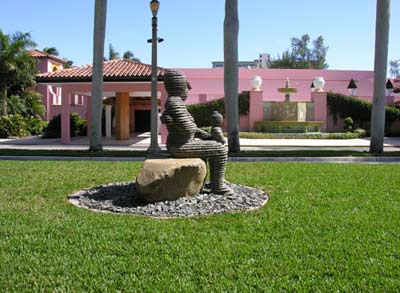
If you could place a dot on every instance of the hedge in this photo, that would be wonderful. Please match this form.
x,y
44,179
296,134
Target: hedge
x,y
202,112
19,126
359,110
77,126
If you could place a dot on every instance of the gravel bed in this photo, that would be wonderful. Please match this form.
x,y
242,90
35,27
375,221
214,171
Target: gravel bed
x,y
122,197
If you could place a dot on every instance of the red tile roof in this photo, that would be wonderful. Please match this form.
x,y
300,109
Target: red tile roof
x,y
114,70
40,54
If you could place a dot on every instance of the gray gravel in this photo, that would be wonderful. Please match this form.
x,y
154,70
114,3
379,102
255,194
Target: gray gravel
x,y
122,197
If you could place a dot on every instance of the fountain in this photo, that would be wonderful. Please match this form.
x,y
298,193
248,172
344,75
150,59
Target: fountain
x,y
288,116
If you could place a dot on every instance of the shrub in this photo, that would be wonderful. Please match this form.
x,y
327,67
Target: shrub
x,y
359,110
77,126
34,125
202,112
348,124
361,132
12,126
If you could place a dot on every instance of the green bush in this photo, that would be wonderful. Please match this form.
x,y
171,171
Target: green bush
x,y
12,126
202,112
77,127
348,124
359,110
361,132
34,125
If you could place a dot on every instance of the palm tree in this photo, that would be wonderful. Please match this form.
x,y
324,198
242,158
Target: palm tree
x,y
51,50
17,67
231,31
112,54
380,69
100,15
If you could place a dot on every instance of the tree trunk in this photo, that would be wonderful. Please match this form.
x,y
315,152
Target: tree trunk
x,y
3,92
100,14
380,69
231,32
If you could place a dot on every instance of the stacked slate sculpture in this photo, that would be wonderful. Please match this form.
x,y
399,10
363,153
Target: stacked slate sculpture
x,y
182,131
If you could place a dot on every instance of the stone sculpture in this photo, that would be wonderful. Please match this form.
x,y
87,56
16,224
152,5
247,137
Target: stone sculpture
x,y
216,130
182,131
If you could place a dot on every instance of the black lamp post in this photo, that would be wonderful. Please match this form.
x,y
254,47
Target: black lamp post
x,y
154,147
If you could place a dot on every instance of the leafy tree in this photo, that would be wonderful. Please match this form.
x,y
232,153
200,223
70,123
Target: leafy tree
x,y
51,50
301,56
129,55
17,67
394,68
68,63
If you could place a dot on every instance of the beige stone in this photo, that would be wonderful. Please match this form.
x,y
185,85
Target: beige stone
x,y
170,179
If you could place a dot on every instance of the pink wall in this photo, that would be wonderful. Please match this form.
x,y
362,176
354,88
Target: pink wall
x,y
210,81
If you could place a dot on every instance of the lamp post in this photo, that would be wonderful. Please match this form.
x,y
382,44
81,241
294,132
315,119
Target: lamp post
x,y
154,147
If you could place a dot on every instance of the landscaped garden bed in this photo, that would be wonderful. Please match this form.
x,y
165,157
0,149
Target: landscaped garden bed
x,y
326,227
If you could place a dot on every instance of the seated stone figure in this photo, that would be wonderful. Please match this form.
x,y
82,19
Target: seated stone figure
x,y
216,130
182,131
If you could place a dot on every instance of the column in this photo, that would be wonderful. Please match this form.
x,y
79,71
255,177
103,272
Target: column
x,y
256,108
88,115
65,120
108,121
320,108
122,115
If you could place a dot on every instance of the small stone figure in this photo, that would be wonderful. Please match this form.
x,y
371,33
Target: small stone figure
x,y
182,131
216,130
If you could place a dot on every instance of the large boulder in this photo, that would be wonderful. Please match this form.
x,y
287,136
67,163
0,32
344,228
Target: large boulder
x,y
170,179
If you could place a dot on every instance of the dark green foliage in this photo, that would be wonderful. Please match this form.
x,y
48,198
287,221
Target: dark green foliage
x,y
202,112
12,126
359,110
77,126
34,125
348,124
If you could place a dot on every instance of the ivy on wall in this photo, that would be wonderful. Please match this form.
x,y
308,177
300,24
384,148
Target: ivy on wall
x,y
359,110
202,112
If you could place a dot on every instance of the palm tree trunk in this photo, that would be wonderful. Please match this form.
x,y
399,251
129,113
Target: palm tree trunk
x,y
380,69
231,32
3,91
100,14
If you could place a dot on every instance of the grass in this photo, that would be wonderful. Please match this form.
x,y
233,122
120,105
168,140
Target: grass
x,y
327,227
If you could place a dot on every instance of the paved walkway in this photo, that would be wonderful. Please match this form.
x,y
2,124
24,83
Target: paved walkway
x,y
368,160
142,141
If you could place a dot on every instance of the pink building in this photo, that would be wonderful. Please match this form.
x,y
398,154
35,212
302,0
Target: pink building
x,y
52,93
127,90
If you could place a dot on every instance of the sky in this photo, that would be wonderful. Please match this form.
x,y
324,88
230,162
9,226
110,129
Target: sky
x,y
193,29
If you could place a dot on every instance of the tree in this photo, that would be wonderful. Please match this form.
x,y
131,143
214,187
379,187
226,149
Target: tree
x,y
68,63
51,50
112,54
394,68
380,70
231,73
17,67
301,56
129,55
100,15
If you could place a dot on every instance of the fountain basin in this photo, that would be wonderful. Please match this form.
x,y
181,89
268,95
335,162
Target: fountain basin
x,y
288,126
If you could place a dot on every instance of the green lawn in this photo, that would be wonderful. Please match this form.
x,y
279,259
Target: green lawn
x,y
326,227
